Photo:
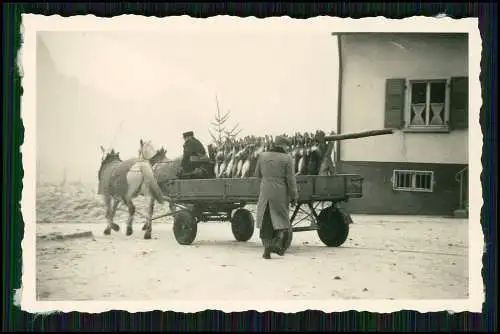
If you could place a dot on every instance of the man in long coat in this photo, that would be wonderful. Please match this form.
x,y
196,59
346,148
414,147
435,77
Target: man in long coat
x,y
193,148
276,170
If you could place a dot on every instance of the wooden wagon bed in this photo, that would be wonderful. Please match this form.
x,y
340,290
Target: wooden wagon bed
x,y
224,199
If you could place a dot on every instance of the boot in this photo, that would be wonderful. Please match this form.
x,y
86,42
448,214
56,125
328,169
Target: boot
x,y
277,248
280,241
280,251
267,253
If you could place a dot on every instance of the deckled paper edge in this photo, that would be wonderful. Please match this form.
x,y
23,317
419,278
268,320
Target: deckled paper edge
x,y
33,23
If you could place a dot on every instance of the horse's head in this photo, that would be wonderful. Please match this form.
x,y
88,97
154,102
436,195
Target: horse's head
x,y
109,157
146,150
160,155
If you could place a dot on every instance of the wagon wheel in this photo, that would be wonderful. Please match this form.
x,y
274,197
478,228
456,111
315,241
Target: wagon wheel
x,y
242,225
185,228
333,227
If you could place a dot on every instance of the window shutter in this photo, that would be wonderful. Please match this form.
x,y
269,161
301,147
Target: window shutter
x,y
394,103
459,103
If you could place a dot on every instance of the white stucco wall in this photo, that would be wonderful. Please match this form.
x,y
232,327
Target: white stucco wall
x,y
367,61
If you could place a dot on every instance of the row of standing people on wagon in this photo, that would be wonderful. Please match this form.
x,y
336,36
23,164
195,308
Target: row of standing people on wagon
x,y
237,158
311,154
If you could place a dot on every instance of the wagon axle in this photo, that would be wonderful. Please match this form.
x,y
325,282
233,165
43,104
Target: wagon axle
x,y
331,224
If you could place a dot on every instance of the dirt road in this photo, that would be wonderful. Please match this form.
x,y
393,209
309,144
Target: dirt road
x,y
385,257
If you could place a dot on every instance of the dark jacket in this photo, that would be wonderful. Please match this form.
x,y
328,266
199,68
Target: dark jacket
x,y
192,147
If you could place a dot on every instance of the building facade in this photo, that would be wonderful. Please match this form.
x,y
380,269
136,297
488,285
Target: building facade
x,y
416,84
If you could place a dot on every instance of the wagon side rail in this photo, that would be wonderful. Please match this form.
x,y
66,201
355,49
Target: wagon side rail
x,y
226,191
216,199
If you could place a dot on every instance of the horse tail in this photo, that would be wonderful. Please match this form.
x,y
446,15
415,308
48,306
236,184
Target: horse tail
x,y
150,180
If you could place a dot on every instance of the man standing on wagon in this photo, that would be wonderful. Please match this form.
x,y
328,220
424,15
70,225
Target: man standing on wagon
x,y
276,170
193,150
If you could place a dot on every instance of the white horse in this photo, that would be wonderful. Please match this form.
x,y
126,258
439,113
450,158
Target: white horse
x,y
121,181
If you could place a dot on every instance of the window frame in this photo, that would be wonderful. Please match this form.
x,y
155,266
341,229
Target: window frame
x,y
408,101
413,173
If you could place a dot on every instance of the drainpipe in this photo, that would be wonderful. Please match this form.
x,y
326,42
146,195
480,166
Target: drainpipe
x,y
460,178
339,99
461,205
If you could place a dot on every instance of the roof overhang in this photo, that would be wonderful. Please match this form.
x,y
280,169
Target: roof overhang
x,y
441,34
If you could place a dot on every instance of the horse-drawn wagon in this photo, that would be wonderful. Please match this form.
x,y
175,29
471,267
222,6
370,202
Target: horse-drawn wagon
x,y
202,200
225,199
194,200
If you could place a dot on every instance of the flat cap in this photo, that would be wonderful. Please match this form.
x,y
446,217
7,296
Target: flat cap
x,y
187,134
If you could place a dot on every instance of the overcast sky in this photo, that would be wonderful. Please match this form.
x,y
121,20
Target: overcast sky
x,y
158,85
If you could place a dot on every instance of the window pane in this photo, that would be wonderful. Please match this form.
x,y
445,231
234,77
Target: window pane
x,y
428,182
438,96
438,92
418,181
418,92
418,114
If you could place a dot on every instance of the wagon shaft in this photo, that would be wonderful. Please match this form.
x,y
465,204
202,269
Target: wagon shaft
x,y
356,135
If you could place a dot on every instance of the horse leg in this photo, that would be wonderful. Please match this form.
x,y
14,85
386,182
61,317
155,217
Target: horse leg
x,y
114,226
134,181
150,213
109,218
145,225
131,212
111,206
149,222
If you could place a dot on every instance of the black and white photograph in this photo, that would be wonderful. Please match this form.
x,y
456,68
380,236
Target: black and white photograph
x,y
241,163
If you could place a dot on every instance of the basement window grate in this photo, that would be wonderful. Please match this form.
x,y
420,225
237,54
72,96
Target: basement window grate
x,y
413,180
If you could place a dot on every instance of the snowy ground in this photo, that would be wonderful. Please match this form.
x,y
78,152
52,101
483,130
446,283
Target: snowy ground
x,y
384,257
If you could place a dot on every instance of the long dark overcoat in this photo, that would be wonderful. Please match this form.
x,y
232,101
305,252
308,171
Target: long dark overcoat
x,y
278,187
192,147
